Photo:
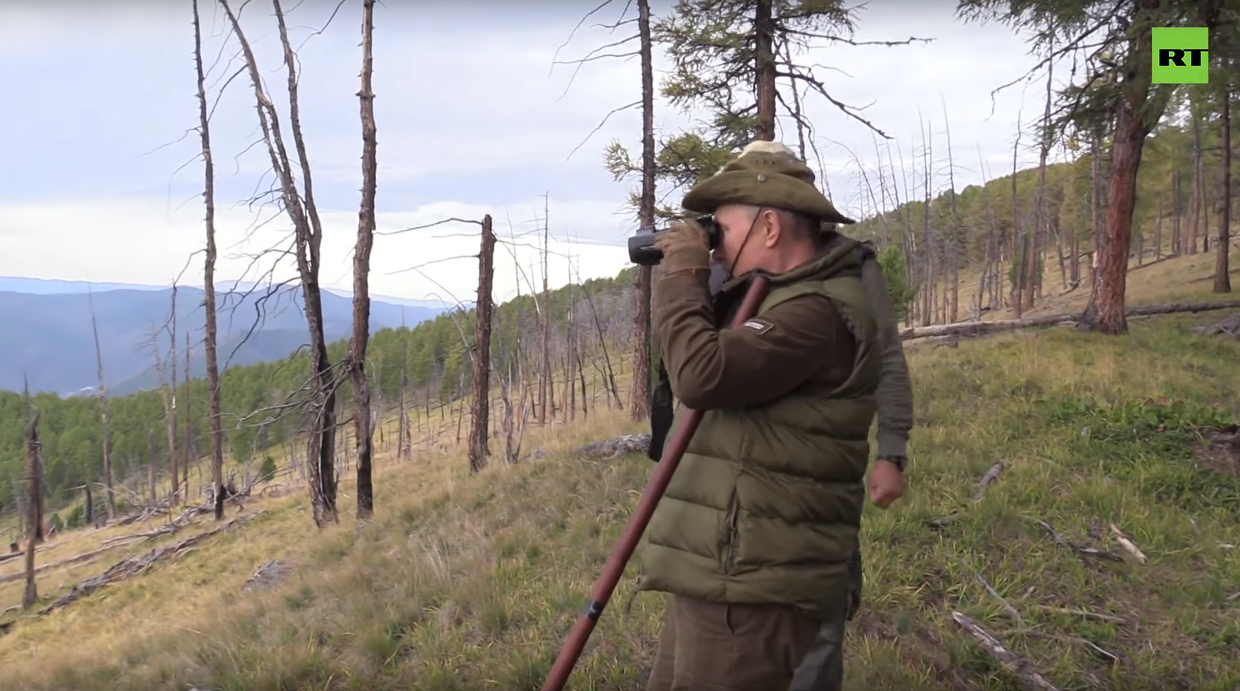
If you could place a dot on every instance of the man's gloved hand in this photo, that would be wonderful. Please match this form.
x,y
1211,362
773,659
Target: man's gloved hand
x,y
685,247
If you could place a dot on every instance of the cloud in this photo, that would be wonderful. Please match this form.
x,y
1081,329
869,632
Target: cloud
x,y
144,240
101,180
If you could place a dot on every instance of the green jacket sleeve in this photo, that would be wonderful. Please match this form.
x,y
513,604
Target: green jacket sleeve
x,y
895,390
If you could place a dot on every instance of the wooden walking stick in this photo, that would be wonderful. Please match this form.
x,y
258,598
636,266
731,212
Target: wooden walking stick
x,y
614,568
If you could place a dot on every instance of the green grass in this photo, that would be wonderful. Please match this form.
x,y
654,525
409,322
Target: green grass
x,y
471,583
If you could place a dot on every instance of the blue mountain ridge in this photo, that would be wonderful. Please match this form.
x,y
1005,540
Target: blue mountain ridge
x,y
47,337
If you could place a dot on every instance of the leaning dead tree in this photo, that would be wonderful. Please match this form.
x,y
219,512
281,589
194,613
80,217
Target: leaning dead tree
x,y
363,424
34,507
110,498
308,237
480,414
208,281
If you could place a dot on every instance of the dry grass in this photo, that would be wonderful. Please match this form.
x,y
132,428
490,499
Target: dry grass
x,y
472,582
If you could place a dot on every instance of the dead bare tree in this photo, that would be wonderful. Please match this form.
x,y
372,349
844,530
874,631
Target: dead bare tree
x,y
308,235
956,238
480,413
546,390
187,453
639,407
172,409
404,442
168,394
34,507
208,277
362,422
151,474
1018,234
103,411
1033,274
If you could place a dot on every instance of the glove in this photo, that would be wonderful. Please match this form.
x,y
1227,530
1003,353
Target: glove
x,y
685,247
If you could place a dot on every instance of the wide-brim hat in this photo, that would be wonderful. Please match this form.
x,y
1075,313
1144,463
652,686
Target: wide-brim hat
x,y
766,174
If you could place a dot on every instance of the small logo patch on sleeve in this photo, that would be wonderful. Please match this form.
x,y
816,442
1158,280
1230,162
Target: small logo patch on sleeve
x,y
759,325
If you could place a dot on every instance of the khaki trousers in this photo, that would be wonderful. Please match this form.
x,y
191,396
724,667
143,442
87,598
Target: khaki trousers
x,y
708,646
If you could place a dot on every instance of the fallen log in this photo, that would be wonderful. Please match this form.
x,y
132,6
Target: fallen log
x,y
1000,325
137,564
76,559
21,552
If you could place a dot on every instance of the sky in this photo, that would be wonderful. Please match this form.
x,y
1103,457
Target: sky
x,y
101,173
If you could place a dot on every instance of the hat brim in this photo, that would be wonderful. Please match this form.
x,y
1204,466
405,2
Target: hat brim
x,y
762,189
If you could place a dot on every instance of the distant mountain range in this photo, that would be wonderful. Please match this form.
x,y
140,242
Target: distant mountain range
x,y
45,330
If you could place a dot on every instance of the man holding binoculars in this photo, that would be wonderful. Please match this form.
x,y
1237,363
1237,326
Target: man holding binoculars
x,y
756,536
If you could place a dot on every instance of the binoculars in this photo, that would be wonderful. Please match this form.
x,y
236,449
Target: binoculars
x,y
643,252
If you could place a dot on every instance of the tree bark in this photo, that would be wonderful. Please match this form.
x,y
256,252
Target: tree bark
x,y
174,495
34,507
308,235
208,282
639,407
480,413
1105,312
187,453
1222,272
764,69
362,422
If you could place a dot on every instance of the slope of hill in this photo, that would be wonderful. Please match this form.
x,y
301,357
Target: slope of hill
x,y
47,337
472,582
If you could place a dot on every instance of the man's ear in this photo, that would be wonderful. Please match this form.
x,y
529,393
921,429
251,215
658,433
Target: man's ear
x,y
772,228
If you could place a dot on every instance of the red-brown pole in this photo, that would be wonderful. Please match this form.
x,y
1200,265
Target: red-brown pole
x,y
614,568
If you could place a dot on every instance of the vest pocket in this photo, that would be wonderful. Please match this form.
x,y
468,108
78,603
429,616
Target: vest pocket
x,y
729,544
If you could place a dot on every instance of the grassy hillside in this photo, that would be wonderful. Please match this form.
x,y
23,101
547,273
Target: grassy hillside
x,y
429,361
472,582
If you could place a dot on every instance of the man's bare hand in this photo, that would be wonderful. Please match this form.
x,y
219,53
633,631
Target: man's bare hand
x,y
886,483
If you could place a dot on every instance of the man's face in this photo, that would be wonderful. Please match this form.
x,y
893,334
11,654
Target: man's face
x,y
747,237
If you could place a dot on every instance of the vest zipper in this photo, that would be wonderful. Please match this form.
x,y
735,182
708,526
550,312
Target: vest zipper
x,y
729,547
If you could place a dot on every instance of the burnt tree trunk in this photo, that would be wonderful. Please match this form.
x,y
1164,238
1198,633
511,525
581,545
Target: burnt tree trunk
x,y
150,467
1033,282
208,282
404,442
362,421
188,448
308,236
172,408
546,392
34,507
481,404
1222,276
639,407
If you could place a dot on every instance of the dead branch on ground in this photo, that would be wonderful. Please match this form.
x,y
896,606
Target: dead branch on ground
x,y
1029,677
997,326
133,566
1081,550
